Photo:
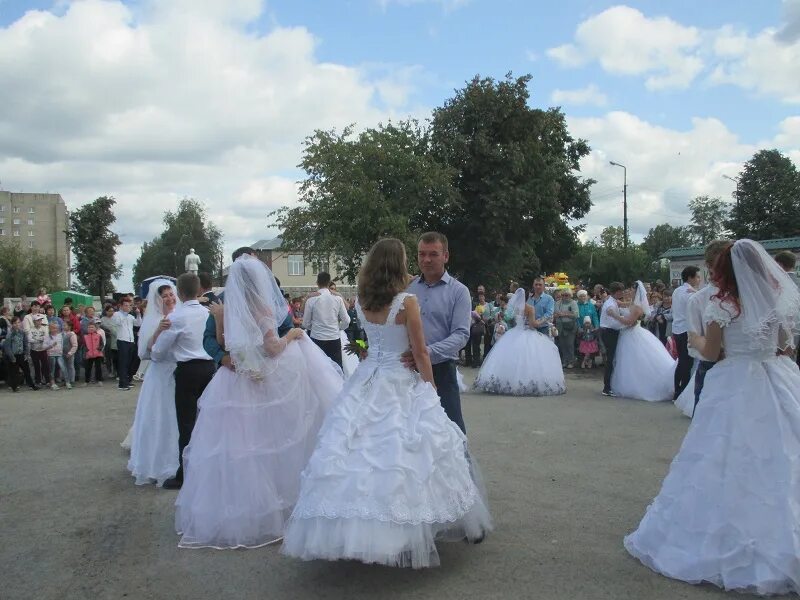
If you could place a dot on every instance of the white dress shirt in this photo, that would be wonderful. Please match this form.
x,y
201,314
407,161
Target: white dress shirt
x,y
694,315
610,306
680,302
183,341
325,315
124,323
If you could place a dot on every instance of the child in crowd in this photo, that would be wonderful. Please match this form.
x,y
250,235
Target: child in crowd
x,y
93,355
15,350
70,348
588,345
54,344
36,339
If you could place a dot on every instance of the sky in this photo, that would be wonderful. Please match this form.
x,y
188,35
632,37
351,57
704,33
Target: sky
x,y
152,101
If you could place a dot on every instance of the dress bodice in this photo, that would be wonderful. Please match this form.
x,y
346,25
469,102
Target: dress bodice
x,y
387,341
735,341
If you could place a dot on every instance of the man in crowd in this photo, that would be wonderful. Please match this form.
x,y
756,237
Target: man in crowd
x,y
543,304
325,316
680,299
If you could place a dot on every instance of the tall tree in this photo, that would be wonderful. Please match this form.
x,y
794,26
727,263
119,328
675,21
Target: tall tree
x,y
767,199
95,245
185,228
25,271
708,218
663,237
612,237
359,188
516,171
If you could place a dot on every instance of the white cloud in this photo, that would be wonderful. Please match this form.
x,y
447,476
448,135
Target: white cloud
x,y
666,167
669,54
447,5
626,42
590,95
157,101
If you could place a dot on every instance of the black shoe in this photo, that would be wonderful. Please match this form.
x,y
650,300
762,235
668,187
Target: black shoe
x,y
609,393
173,484
475,541
35,388
15,389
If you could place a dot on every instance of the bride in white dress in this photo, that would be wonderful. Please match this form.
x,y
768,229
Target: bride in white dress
x,y
256,426
391,474
643,368
154,434
728,512
523,362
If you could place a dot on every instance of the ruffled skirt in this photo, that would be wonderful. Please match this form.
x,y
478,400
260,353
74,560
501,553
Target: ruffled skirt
x,y
643,368
523,362
391,476
249,445
154,434
728,512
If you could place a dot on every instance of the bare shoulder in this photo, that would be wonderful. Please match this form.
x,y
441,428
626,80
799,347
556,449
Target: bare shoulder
x,y
410,302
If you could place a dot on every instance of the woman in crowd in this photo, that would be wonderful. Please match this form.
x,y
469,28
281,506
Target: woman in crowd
x,y
565,315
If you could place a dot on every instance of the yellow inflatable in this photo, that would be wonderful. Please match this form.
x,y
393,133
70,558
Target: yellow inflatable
x,y
558,280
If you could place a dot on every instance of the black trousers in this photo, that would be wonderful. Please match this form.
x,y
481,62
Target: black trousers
x,y
191,379
18,371
683,371
332,348
610,338
700,379
125,352
41,366
444,376
97,364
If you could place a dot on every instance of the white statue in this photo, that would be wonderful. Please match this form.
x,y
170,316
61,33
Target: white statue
x,y
192,262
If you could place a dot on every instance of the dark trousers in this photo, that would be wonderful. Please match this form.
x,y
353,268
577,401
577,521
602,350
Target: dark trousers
x,y
475,340
191,379
487,339
332,348
125,351
444,376
41,366
610,338
97,364
700,379
18,372
683,371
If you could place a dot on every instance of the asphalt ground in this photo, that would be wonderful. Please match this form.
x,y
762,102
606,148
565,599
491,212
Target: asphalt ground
x,y
568,477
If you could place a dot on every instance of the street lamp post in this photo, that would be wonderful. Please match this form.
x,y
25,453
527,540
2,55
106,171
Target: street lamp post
x,y
624,203
736,181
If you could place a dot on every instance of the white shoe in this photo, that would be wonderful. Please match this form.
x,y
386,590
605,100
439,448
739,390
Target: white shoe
x,y
54,387
69,386
100,383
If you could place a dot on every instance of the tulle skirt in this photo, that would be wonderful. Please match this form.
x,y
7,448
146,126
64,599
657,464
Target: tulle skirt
x,y
685,401
643,368
154,435
349,361
728,512
249,445
391,476
523,362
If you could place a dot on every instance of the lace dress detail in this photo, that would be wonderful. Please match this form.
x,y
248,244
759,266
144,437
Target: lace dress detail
x,y
391,472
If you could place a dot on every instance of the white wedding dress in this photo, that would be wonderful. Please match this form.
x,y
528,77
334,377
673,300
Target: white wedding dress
x,y
349,361
685,402
643,368
523,362
391,473
728,512
252,438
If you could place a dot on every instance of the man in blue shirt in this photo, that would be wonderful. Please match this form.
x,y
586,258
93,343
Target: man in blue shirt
x,y
543,304
446,308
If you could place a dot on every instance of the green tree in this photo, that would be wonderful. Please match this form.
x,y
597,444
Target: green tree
x,y
708,219
516,172
185,228
596,263
359,188
94,245
25,271
768,198
663,237
612,238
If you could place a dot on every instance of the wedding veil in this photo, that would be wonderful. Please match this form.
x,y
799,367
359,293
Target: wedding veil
x,y
153,314
767,296
517,305
640,299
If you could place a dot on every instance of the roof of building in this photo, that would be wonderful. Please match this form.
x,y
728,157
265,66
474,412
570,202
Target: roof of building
x,y
272,244
791,243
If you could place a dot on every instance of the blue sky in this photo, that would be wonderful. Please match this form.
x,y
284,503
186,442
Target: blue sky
x,y
153,101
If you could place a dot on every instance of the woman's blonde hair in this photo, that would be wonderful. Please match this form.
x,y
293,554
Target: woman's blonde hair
x,y
383,275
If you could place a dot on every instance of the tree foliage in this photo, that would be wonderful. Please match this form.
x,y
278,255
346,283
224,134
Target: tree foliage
x,y
665,236
499,178
185,228
94,245
595,263
708,219
25,271
768,198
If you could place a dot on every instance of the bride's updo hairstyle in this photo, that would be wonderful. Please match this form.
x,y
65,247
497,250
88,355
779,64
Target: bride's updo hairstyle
x,y
383,275
724,278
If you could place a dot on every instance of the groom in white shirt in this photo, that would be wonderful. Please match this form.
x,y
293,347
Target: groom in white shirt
x,y
325,316
680,326
180,337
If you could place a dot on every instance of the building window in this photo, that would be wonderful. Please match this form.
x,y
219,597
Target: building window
x,y
2,231
297,265
30,233
2,208
30,244
16,233
2,220
16,210
17,221
31,210
30,221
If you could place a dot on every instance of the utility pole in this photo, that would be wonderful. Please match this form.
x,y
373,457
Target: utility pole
x,y
624,203
736,181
